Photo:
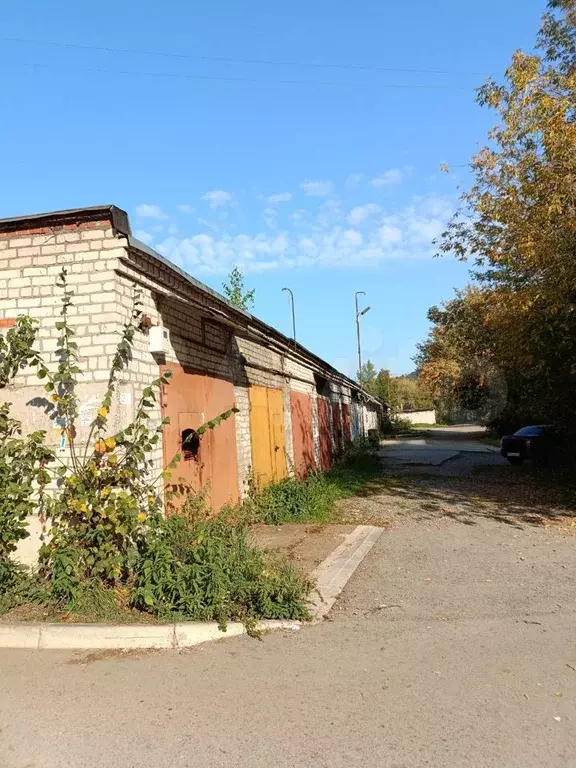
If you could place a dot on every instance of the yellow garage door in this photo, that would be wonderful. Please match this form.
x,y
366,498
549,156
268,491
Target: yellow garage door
x,y
267,434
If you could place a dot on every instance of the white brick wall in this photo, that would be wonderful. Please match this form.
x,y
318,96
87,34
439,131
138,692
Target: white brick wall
x,y
105,274
243,442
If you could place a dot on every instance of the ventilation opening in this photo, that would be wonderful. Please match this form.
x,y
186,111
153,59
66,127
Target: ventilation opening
x,y
321,384
190,443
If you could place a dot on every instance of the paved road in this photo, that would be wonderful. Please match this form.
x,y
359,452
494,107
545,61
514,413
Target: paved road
x,y
453,646
435,446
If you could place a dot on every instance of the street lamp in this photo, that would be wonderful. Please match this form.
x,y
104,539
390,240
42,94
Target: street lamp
x,y
358,316
289,290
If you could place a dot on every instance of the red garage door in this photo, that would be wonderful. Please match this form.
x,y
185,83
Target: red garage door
x,y
302,435
324,431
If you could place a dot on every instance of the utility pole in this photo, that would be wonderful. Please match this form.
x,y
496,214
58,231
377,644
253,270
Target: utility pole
x,y
289,290
358,316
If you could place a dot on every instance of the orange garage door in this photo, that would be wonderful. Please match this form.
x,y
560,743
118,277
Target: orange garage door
x,y
209,463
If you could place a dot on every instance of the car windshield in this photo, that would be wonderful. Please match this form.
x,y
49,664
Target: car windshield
x,y
529,432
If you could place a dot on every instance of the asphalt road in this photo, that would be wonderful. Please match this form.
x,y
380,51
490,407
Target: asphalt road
x,y
453,646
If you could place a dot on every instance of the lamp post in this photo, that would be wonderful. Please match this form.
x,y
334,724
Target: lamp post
x,y
358,316
289,290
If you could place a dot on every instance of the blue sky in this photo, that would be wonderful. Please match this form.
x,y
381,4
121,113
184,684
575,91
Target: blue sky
x,y
301,141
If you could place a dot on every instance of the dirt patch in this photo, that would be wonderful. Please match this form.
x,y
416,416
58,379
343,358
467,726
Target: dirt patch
x,y
113,654
304,545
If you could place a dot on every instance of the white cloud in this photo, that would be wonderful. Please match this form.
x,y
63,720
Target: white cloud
x,y
389,234
317,188
150,211
185,208
143,236
362,212
282,197
217,197
329,213
353,180
298,216
353,237
270,217
402,234
392,176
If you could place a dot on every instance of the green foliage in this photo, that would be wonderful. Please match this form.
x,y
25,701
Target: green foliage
x,y
517,227
22,459
367,375
312,500
106,493
400,392
16,349
207,570
21,587
234,290
292,500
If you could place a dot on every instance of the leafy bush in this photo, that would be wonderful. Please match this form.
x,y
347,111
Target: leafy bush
x,y
110,549
207,570
22,460
313,499
292,500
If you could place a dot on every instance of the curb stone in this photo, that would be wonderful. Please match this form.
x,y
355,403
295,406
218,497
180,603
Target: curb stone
x,y
334,573
331,576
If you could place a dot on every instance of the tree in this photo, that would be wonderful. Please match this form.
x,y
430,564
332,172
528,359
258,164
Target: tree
x,y
398,391
234,290
367,376
382,385
518,228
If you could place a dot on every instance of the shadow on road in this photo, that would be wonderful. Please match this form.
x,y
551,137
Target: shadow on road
x,y
467,489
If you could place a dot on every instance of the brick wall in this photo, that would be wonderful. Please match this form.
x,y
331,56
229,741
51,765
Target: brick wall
x,y
30,262
243,442
106,275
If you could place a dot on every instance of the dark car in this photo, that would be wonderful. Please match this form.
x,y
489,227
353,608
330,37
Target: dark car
x,y
540,443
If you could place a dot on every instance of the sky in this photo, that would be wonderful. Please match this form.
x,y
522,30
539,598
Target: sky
x,y
301,141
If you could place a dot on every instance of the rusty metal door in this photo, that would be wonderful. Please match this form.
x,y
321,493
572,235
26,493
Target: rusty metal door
x,y
208,464
337,426
324,432
267,434
302,436
346,423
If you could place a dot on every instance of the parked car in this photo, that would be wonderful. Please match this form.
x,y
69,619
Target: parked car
x,y
542,443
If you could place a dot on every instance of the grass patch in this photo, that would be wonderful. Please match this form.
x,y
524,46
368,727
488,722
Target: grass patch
x,y
313,500
207,570
186,568
196,566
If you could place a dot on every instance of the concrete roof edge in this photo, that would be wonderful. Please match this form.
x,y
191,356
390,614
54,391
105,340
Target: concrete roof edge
x,y
117,216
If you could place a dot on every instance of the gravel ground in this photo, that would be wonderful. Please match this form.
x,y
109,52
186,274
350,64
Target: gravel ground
x,y
467,487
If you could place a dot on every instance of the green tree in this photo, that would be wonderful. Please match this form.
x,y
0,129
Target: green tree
x,y
382,385
235,292
367,376
518,228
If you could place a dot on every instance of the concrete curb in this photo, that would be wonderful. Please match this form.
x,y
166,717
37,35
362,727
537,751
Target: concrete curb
x,y
334,573
41,636
331,577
